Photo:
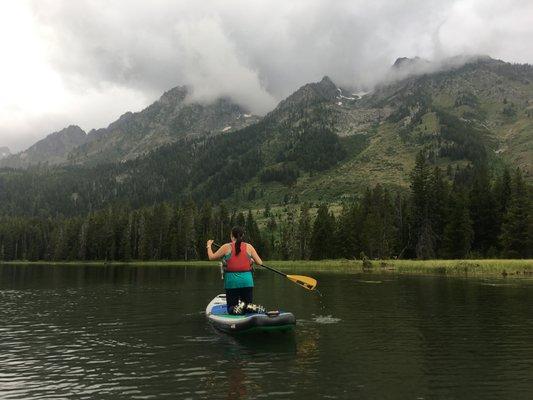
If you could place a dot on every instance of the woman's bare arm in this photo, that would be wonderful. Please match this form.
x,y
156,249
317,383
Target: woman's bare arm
x,y
217,255
255,256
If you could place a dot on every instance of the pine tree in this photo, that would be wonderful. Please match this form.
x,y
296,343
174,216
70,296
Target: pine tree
x,y
388,233
516,221
458,232
438,204
401,211
108,235
188,232
378,231
126,240
424,235
272,227
60,248
288,245
176,239
503,191
143,235
239,220
323,236
304,232
161,226
483,210
222,225
348,225
204,228
253,235
502,196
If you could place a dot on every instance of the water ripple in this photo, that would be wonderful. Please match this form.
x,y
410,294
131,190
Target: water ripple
x,y
80,336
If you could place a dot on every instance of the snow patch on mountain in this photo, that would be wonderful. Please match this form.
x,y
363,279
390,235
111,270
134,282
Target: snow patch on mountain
x,y
360,94
342,96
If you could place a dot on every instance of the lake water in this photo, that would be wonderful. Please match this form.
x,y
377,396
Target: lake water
x,y
80,332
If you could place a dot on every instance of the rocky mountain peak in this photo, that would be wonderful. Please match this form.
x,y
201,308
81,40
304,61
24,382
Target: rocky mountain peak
x,y
315,92
402,62
71,132
408,66
172,117
326,88
174,95
53,149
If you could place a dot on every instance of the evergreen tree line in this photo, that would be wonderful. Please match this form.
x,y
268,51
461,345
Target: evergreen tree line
x,y
162,232
468,213
453,214
458,213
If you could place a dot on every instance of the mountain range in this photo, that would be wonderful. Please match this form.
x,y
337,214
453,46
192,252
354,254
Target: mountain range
x,y
133,135
322,143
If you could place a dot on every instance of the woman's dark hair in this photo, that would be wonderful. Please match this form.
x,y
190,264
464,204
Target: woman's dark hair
x,y
238,233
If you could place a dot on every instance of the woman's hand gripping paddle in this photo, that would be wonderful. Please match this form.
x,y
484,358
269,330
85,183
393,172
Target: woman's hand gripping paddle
x,y
304,281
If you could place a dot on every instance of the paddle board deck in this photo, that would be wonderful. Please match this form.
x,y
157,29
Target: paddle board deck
x,y
217,314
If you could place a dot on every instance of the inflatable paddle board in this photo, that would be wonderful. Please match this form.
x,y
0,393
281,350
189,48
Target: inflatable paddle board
x,y
217,314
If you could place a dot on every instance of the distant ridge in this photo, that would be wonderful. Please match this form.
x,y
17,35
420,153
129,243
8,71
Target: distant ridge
x,y
52,150
136,134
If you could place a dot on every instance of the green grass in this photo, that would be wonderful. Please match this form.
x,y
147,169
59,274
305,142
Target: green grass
x,y
476,268
515,268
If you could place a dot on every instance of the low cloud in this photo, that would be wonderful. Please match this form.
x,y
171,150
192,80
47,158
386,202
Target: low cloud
x,y
215,67
104,58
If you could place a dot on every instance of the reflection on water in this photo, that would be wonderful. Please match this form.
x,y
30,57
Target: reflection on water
x,y
132,333
326,319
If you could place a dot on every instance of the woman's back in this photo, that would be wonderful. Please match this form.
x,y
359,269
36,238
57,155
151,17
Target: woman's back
x,y
239,261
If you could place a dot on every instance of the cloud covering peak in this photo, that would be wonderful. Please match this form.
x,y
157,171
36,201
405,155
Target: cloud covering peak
x,y
87,62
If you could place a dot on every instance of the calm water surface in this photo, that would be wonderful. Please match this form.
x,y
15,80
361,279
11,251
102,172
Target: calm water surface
x,y
140,332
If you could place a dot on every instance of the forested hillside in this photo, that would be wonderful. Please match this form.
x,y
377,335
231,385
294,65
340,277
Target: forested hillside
x,y
458,213
299,138
471,126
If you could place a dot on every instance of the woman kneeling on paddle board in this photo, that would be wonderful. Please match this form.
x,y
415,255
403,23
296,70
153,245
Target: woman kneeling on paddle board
x,y
237,257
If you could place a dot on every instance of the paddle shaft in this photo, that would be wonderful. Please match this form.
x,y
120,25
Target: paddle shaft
x,y
273,270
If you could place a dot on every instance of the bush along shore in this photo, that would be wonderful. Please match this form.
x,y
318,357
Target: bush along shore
x,y
465,268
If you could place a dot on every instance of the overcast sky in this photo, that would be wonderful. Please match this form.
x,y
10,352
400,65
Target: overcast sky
x,y
86,62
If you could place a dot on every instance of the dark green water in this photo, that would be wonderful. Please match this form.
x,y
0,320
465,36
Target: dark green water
x,y
140,333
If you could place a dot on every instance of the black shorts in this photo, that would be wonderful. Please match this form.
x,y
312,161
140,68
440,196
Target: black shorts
x,y
245,294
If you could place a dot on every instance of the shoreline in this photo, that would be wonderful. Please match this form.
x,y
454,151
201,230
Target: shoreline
x,y
464,268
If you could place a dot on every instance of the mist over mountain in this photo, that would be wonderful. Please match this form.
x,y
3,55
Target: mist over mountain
x,y
4,152
85,63
179,113
174,116
170,118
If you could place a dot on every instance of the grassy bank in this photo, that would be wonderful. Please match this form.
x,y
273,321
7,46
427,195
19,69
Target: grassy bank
x,y
504,268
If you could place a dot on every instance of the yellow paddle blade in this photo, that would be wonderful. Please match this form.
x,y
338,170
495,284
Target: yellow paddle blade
x,y
304,281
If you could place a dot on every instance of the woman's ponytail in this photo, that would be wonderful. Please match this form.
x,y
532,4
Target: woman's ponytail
x,y
238,233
